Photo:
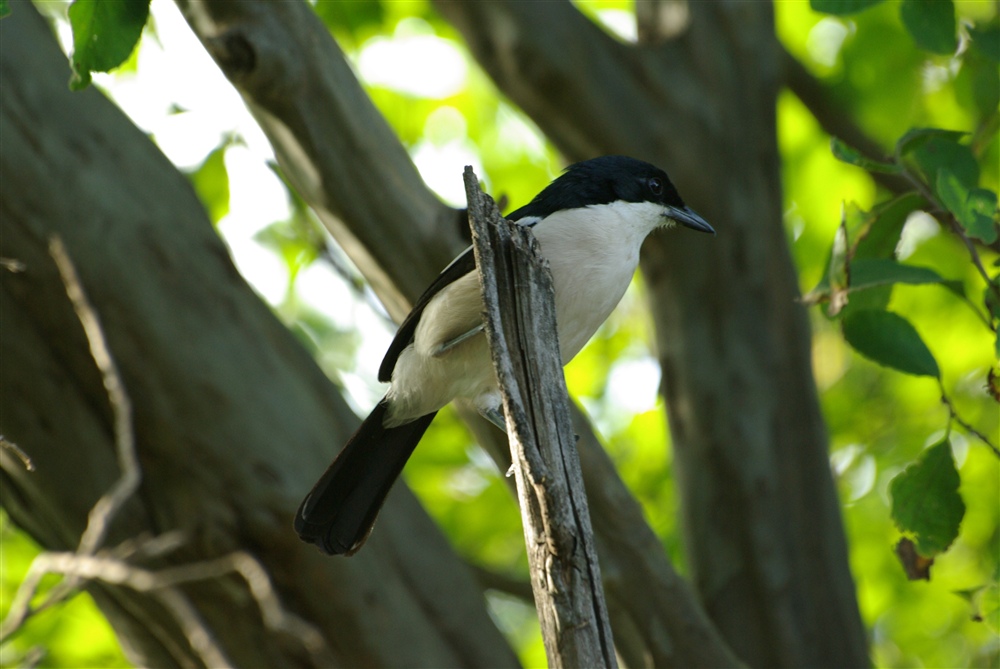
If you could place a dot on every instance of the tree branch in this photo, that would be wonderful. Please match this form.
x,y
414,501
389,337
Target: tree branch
x,y
331,142
519,306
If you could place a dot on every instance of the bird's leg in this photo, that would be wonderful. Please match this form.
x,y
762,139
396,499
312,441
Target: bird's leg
x,y
452,343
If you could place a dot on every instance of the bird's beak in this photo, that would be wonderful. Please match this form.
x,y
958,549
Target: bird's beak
x,y
686,217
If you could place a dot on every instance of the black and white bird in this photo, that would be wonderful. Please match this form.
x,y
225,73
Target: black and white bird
x,y
590,223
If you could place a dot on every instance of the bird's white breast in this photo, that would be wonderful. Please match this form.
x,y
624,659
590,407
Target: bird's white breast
x,y
592,253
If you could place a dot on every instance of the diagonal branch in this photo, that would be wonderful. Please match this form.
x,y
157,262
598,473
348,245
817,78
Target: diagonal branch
x,y
331,142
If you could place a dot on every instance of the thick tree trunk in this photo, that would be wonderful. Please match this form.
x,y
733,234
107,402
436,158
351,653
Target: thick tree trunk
x,y
762,518
761,514
232,418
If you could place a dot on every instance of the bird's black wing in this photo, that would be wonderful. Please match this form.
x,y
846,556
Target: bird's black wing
x,y
458,268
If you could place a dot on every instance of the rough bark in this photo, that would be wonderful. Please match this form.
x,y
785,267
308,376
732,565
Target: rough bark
x,y
519,314
232,417
762,518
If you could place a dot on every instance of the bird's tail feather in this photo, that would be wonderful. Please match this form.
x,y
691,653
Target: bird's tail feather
x,y
339,513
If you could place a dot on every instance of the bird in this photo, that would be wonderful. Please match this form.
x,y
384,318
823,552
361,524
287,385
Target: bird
x,y
590,223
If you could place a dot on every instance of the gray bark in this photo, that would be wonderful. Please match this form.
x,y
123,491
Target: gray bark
x,y
519,314
762,519
233,419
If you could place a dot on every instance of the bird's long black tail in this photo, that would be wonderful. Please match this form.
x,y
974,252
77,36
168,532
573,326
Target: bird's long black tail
x,y
339,513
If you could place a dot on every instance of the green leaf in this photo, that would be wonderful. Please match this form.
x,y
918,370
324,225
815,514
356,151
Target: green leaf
x,y
352,15
975,209
104,34
875,234
890,340
978,79
879,238
916,137
211,182
987,41
925,500
932,24
870,272
4,8
852,156
981,210
841,7
939,153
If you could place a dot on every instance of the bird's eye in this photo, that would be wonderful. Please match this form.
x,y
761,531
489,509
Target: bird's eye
x,y
656,185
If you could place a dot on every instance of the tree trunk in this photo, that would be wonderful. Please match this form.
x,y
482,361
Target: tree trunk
x,y
233,419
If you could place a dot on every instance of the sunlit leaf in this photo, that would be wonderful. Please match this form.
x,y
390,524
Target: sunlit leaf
x,y
211,182
841,7
104,34
932,24
351,15
293,240
890,340
925,500
852,156
988,601
4,8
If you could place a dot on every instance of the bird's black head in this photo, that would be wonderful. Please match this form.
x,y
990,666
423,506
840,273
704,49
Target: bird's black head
x,y
610,179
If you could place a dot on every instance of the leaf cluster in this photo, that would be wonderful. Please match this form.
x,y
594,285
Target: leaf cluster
x,y
942,170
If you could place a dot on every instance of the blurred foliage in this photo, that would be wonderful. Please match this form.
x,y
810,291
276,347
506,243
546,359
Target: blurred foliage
x,y
869,55
71,635
211,182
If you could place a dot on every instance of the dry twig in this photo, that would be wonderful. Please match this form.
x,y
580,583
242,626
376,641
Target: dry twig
x,y
91,562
